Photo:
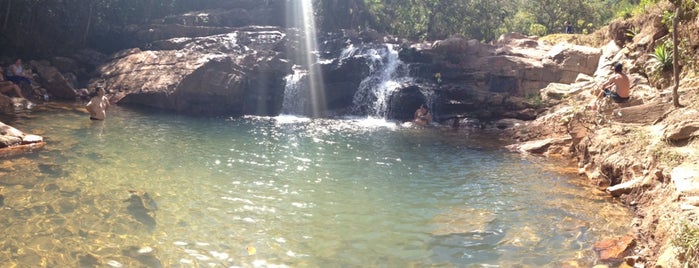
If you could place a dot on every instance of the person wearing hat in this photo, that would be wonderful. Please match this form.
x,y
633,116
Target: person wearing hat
x,y
618,87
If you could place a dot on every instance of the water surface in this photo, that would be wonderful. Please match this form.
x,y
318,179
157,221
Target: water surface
x,y
287,192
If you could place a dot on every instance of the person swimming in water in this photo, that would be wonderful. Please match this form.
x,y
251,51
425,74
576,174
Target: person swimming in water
x,y
422,116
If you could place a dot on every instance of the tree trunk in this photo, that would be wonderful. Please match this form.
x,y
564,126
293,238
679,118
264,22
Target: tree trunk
x,y
675,63
88,24
7,15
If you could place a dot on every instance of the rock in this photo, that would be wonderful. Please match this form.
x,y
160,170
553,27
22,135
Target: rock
x,y
29,138
7,130
558,91
214,75
686,178
539,146
614,250
403,103
141,207
53,81
573,59
450,45
618,30
681,131
642,114
12,137
508,123
668,257
144,255
625,187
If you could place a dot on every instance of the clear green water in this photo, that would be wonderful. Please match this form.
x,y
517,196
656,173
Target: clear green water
x,y
270,192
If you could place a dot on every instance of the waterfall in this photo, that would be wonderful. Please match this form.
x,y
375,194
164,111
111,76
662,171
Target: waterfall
x,y
387,74
296,93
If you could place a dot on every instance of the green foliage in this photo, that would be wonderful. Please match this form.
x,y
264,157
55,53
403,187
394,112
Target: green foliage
x,y
537,29
687,242
534,100
487,19
631,33
661,58
667,18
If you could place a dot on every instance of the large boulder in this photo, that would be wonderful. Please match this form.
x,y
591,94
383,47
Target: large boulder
x,y
516,64
55,83
13,141
213,75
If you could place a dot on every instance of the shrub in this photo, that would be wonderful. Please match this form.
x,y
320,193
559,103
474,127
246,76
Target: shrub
x,y
537,29
661,58
687,242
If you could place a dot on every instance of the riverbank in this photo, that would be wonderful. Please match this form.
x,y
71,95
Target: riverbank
x,y
645,154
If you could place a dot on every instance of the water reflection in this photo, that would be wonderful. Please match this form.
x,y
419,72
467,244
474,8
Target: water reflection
x,y
151,189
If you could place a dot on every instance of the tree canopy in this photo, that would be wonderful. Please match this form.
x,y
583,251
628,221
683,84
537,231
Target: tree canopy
x,y
47,26
488,19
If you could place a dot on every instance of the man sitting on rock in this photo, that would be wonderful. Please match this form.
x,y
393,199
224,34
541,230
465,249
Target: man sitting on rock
x,y
7,86
618,87
17,74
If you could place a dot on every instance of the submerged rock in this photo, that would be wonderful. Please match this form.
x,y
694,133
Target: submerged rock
x,y
614,250
141,206
144,255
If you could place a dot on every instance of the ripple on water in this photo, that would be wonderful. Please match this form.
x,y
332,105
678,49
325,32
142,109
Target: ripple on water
x,y
284,191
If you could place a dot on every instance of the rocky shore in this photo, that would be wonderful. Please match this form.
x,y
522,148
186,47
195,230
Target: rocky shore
x,y
643,152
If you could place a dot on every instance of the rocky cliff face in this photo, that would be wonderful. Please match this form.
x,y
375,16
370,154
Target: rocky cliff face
x,y
228,74
242,71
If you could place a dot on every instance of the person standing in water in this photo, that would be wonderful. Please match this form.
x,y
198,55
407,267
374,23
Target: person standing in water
x,y
422,116
98,104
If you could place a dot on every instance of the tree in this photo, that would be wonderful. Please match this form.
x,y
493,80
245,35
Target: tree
x,y
675,60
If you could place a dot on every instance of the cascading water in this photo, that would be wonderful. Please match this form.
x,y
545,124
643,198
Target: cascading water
x,y
387,74
296,93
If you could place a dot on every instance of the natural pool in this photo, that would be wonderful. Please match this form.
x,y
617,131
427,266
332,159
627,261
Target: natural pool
x,y
286,191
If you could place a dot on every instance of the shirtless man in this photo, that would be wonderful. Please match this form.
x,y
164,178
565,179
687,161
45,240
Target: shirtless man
x,y
98,105
422,116
618,87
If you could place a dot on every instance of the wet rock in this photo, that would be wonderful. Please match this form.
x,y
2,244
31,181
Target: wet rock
x,y
88,260
539,146
462,221
214,75
614,250
51,169
144,255
13,141
30,138
142,208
